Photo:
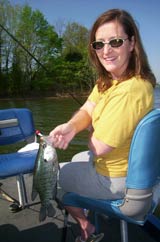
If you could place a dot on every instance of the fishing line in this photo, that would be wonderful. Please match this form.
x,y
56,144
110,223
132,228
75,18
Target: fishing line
x,y
25,49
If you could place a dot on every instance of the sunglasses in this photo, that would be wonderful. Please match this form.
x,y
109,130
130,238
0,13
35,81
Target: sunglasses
x,y
114,43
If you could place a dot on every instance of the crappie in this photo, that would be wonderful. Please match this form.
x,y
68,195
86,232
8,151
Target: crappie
x,y
45,178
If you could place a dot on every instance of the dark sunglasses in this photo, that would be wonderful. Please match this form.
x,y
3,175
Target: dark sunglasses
x,y
114,43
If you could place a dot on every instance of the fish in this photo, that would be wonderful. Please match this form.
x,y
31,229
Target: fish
x,y
45,178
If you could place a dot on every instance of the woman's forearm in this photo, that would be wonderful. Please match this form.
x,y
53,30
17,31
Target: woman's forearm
x,y
82,119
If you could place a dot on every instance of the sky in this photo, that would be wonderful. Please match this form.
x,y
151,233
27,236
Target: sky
x,y
145,12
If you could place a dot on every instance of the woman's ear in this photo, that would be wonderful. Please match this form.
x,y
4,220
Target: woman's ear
x,y
132,43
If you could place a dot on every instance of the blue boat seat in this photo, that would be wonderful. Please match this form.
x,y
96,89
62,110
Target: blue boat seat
x,y
17,125
143,179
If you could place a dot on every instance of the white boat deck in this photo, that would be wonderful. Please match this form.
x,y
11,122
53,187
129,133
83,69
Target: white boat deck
x,y
24,225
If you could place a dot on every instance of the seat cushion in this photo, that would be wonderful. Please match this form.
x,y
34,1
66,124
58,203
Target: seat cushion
x,y
99,206
16,163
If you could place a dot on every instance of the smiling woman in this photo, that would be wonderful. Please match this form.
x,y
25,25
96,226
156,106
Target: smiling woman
x,y
122,96
115,54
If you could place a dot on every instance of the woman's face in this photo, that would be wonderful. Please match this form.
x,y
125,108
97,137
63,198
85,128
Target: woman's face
x,y
114,59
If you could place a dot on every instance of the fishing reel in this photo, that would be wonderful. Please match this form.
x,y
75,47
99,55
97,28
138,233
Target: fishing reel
x,y
15,206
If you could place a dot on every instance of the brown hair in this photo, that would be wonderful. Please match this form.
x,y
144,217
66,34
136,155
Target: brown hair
x,y
138,64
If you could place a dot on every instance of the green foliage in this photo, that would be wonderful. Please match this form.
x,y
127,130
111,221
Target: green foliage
x,y
75,38
73,56
34,60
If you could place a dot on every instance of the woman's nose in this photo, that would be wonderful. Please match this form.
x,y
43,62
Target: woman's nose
x,y
107,48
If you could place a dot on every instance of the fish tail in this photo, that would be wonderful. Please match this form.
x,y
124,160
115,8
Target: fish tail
x,y
46,211
51,211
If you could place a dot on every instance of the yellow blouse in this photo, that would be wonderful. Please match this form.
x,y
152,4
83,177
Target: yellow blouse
x,y
117,112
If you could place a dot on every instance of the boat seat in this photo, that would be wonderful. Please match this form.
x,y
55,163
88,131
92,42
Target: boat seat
x,y
142,182
17,126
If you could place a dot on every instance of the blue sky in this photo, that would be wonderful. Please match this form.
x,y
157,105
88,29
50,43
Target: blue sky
x,y
145,12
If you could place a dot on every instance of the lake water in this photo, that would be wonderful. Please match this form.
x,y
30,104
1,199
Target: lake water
x,y
49,112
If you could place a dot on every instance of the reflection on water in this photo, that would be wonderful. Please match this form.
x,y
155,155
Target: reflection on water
x,y
50,112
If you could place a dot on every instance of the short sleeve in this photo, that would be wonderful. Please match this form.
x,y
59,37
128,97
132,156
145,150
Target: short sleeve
x,y
119,117
95,95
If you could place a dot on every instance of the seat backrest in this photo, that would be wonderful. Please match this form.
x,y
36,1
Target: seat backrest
x,y
143,167
16,124
144,157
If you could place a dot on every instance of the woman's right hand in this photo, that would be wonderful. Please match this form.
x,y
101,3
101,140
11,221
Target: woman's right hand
x,y
62,135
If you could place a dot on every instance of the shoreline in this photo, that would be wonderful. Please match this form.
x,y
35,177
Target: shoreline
x,y
57,96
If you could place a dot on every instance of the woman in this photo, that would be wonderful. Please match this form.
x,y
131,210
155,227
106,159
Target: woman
x,y
123,94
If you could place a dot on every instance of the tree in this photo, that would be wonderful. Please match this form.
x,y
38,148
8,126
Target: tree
x,y
8,16
75,38
34,58
40,39
75,53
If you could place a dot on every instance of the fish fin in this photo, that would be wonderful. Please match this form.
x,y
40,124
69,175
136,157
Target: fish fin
x,y
46,211
42,214
54,194
51,211
34,194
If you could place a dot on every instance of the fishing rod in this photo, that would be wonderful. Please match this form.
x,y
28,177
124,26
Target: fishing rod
x,y
25,49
